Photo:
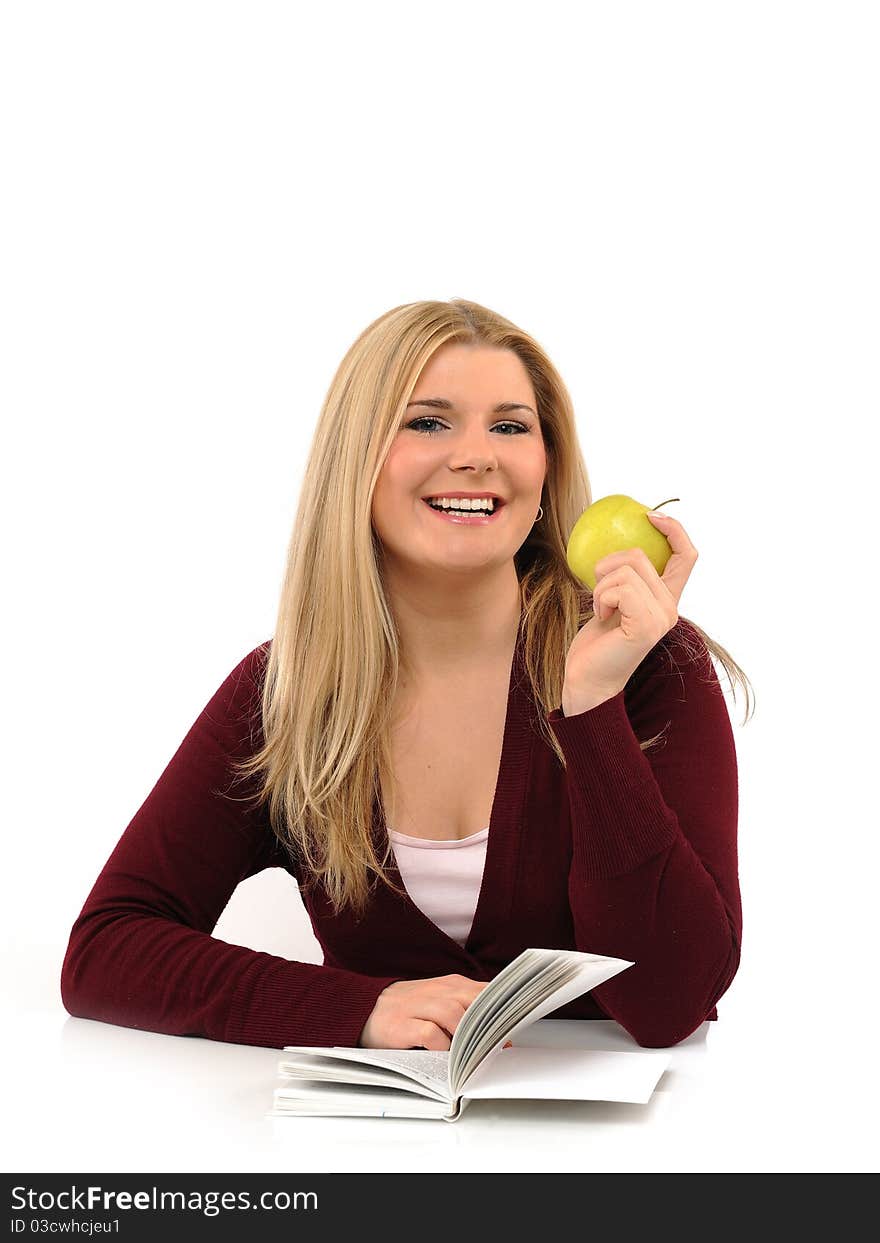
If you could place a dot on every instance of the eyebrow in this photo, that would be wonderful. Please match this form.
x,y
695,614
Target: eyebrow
x,y
440,403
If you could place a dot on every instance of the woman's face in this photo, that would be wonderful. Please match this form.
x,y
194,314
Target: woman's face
x,y
462,443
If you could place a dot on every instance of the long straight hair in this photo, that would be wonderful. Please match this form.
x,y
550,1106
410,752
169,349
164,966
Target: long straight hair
x,y
333,665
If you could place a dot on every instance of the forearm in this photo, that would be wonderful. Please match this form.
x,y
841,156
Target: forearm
x,y
141,953
653,874
146,972
667,917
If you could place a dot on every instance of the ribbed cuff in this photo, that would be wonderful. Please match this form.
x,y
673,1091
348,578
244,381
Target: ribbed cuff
x,y
294,1003
619,817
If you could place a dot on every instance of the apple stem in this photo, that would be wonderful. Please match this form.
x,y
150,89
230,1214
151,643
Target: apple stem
x,y
669,502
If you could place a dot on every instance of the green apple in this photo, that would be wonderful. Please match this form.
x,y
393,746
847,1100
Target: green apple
x,y
614,524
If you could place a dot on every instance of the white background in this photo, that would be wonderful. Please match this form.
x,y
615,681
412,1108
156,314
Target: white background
x,y
204,204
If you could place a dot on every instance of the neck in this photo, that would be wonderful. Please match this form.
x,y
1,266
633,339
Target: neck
x,y
469,630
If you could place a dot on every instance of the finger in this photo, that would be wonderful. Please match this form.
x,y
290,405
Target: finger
x,y
467,990
425,1035
640,611
637,558
668,589
624,588
446,1012
684,554
635,565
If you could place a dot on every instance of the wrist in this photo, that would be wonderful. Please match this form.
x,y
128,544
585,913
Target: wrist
x,y
575,702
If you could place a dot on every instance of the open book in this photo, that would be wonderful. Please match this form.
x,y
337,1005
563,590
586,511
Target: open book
x,y
422,1083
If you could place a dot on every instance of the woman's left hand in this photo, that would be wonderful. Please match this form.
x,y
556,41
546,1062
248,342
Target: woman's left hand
x,y
633,609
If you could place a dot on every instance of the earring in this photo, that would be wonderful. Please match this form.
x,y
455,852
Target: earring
x,y
540,514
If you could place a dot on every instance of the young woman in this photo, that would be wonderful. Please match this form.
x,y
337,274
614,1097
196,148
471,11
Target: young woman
x,y
456,750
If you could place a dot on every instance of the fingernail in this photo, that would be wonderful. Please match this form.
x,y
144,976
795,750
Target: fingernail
x,y
655,514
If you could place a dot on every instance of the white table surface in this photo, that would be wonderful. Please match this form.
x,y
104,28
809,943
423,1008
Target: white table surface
x,y
83,1096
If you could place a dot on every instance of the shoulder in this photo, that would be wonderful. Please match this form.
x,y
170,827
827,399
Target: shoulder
x,y
681,658
238,696
252,667
683,646
676,687
250,670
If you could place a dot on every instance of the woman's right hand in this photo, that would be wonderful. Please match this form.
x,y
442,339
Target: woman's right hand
x,y
419,1014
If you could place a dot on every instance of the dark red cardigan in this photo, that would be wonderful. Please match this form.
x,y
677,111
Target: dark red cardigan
x,y
624,853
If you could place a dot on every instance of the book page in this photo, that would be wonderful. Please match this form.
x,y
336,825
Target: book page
x,y
425,1066
534,984
308,1099
545,980
323,1069
567,1074
530,993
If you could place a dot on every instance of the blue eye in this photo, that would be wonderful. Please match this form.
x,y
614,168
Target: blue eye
x,y
414,425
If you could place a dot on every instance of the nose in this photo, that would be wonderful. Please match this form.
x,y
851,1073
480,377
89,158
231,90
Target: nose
x,y
474,451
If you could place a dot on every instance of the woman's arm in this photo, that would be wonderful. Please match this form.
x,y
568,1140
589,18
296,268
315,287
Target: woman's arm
x,y
654,842
140,953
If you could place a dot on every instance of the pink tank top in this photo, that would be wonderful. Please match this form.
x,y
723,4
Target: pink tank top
x,y
443,878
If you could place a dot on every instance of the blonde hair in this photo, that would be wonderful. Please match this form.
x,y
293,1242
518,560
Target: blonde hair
x,y
333,664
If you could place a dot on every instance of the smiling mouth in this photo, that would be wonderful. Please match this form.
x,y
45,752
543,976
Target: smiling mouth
x,y
466,517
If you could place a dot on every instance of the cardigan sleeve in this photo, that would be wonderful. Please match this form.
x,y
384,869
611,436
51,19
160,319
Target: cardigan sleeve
x,y
141,954
653,874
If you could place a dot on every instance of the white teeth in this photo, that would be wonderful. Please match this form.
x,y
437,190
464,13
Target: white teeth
x,y
486,504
